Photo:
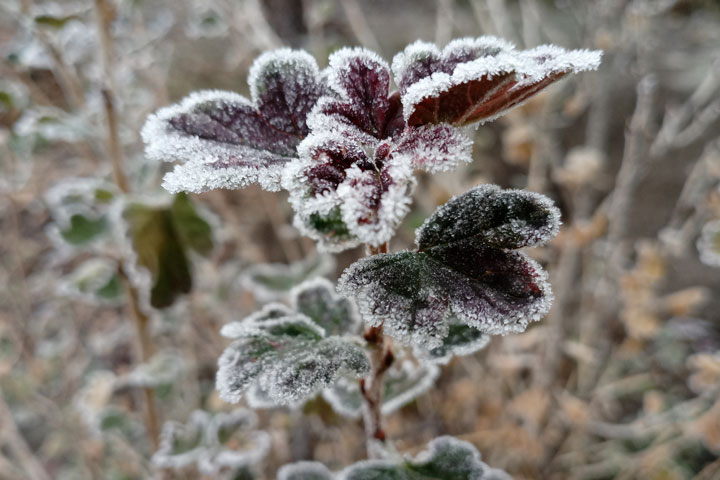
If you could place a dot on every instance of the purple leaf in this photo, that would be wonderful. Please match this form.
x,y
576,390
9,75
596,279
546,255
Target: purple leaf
x,y
228,141
501,218
342,197
461,269
477,80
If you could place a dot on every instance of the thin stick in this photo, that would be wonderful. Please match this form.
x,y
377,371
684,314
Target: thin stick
x,y
372,388
104,16
145,350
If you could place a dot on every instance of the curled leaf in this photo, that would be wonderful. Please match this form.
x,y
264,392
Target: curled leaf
x,y
478,79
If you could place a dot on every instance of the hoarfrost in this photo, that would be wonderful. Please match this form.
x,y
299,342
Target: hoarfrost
x,y
445,458
228,141
285,355
273,281
462,267
477,80
212,441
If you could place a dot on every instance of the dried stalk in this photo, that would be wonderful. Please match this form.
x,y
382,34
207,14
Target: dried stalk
x,y
371,388
104,14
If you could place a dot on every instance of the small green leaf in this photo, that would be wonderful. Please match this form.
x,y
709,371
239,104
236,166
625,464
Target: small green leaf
x,y
273,281
287,359
95,280
446,458
317,299
461,340
83,230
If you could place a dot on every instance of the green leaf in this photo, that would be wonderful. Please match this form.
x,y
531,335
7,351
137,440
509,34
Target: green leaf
x,y
273,281
287,358
161,238
83,230
446,458
95,280
461,340
317,299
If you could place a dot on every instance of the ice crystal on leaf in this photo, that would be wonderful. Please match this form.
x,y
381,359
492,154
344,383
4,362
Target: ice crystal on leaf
x,y
465,265
354,178
478,79
461,340
79,208
446,458
225,140
286,355
224,441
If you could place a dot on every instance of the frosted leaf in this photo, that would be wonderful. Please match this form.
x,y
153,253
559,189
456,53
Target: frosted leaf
x,y
273,281
501,218
161,237
94,396
709,244
233,443
304,471
224,441
228,141
434,148
317,300
342,196
95,281
164,368
362,81
79,208
288,357
446,458
461,340
494,290
354,177
205,21
405,381
477,80
182,444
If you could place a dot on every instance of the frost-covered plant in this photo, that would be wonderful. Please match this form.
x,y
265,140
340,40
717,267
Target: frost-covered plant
x,y
345,145
215,443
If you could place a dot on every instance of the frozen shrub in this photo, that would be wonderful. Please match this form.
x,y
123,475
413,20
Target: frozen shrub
x,y
345,146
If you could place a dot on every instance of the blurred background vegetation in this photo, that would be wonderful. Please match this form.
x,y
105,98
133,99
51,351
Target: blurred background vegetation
x,y
620,381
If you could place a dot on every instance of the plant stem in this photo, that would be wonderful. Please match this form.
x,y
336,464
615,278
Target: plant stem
x,y
371,388
104,14
145,350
